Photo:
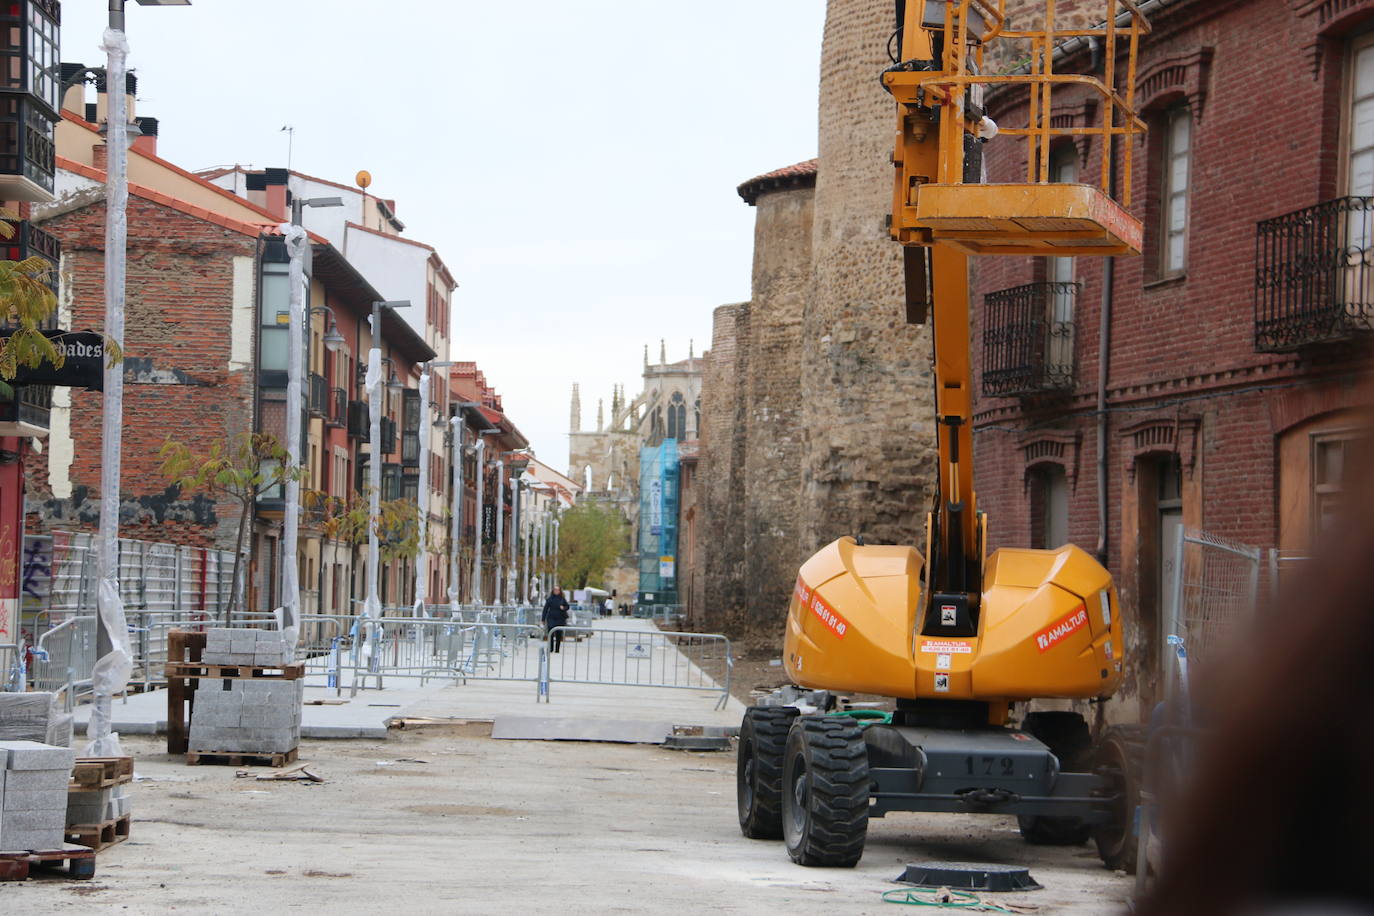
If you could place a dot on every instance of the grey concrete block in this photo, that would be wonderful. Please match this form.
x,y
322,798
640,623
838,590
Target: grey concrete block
x,y
36,780
34,800
46,840
47,819
269,717
30,755
243,640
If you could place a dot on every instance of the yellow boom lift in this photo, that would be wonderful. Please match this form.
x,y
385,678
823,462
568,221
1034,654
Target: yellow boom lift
x,y
958,637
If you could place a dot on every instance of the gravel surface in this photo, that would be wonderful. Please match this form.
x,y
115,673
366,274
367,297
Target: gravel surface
x,y
447,820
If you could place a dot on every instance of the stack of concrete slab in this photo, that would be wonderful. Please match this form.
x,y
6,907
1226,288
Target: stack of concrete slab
x,y
33,795
34,717
247,648
98,806
247,716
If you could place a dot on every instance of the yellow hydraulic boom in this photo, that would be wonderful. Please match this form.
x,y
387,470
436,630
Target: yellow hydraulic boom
x,y
956,624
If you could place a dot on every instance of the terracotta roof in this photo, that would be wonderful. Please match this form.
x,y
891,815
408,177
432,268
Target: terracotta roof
x,y
801,175
82,122
176,203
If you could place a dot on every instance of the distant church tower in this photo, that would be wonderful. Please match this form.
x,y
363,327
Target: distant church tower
x,y
575,415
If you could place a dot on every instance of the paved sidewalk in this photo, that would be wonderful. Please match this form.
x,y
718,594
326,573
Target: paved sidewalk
x,y
366,715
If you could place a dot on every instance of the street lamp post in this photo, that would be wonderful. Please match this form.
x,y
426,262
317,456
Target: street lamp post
x,y
556,523
422,499
372,606
479,449
456,512
529,541
288,620
114,654
500,557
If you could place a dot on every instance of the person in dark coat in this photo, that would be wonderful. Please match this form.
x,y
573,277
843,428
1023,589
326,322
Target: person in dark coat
x,y
555,615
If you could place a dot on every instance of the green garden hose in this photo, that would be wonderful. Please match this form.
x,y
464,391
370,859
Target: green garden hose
x,y
944,899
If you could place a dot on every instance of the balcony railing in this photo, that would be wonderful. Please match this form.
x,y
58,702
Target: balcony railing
x,y
357,419
28,241
1314,275
27,404
319,392
1028,339
338,407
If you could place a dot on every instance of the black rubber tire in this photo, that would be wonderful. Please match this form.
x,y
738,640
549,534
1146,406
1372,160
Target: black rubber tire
x,y
1120,759
825,792
1068,738
758,770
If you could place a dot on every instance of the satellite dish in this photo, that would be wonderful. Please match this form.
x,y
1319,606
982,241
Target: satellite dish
x,y
363,178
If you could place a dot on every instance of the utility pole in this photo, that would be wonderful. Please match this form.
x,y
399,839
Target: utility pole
x,y
479,449
456,511
372,605
296,241
114,653
422,499
500,550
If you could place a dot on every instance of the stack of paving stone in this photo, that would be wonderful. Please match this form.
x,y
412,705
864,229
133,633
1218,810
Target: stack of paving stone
x,y
247,716
97,806
33,795
245,648
34,717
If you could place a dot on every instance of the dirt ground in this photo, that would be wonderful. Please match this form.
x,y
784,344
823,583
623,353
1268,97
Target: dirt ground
x,y
446,820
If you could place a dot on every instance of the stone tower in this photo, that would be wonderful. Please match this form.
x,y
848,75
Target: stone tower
x,y
575,413
867,395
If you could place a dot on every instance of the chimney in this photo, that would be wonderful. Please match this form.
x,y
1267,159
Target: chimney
x,y
274,181
102,104
98,157
147,141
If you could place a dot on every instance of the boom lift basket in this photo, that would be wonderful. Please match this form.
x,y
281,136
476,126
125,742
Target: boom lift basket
x,y
940,85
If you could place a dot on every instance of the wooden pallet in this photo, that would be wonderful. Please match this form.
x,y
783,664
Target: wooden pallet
x,y
17,866
235,672
100,836
91,774
185,671
239,759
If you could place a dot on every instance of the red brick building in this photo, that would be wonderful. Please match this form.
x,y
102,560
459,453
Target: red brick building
x,y
1217,381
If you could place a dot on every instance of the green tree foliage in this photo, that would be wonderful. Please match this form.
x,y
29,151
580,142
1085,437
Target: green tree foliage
x,y
590,538
253,462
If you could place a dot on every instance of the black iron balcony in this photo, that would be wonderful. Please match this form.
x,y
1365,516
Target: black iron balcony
x,y
1028,340
1314,275
28,241
24,409
357,419
318,392
338,407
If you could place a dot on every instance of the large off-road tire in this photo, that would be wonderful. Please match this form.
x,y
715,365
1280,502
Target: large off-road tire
x,y
1120,759
1068,738
825,792
758,770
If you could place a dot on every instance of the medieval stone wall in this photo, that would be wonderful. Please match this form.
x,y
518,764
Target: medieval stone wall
x,y
720,486
866,380
773,423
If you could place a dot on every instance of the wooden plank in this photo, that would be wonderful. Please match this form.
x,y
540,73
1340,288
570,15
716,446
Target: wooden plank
x,y
292,672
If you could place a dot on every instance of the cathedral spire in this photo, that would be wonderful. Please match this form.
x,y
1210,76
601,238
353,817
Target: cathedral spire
x,y
575,415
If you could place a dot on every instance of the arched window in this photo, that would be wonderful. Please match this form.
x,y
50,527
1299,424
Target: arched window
x,y
587,479
677,416
696,426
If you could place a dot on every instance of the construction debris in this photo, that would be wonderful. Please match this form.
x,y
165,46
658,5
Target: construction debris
x,y
33,795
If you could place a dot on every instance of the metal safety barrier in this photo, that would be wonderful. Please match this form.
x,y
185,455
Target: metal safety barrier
x,y
640,658
426,648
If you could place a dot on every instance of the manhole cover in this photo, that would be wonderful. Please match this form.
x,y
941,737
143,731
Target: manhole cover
x,y
972,876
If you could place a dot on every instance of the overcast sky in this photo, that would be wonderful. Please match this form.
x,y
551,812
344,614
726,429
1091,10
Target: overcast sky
x,y
574,163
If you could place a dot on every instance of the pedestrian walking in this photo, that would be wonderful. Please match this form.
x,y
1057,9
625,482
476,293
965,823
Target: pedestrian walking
x,y
555,615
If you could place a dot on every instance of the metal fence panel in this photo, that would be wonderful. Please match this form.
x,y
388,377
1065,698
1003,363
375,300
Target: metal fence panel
x,y
1215,594
643,658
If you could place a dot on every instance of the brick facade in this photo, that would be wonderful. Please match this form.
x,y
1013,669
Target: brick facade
x,y
1185,382
181,380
